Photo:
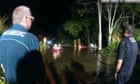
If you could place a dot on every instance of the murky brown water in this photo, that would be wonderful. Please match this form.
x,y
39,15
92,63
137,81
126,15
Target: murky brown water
x,y
95,65
73,66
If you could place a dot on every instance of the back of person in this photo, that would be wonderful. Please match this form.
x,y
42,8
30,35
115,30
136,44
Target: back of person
x,y
14,45
16,42
130,55
9,58
127,54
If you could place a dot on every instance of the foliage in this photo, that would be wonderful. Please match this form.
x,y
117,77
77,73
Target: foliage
x,y
3,27
116,35
73,27
136,34
86,22
125,12
2,77
131,7
2,80
81,21
64,37
79,28
110,50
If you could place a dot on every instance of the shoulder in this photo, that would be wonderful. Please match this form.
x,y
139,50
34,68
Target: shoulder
x,y
123,42
32,41
31,36
132,39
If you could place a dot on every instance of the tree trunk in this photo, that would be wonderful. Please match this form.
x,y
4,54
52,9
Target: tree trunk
x,y
87,36
112,22
100,25
109,38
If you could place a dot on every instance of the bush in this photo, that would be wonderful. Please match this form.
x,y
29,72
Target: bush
x,y
3,26
110,50
136,34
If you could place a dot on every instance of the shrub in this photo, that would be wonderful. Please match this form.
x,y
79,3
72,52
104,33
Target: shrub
x,y
3,26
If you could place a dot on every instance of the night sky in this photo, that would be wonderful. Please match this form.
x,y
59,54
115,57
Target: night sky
x,y
49,14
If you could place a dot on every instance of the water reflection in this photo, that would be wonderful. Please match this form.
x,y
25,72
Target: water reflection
x,y
98,65
57,53
108,64
92,62
76,51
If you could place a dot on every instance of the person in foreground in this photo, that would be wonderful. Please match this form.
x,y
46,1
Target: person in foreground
x,y
16,42
126,58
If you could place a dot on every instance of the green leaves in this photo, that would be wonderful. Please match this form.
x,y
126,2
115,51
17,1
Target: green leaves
x,y
2,24
73,27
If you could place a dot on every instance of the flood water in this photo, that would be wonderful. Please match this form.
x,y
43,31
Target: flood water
x,y
88,61
82,66
93,64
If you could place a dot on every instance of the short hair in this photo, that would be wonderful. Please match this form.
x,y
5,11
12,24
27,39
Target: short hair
x,y
128,28
19,13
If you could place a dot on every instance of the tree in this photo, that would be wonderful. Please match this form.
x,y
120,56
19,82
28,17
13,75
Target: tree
x,y
86,24
114,20
81,20
131,12
73,27
3,26
99,6
115,13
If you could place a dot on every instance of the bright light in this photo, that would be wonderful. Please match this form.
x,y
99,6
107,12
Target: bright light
x,y
45,39
49,42
92,45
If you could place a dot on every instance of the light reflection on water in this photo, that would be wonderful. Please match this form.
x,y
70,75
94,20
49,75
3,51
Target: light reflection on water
x,y
98,65
93,63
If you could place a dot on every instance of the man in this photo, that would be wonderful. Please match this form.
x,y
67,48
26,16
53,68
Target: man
x,y
126,57
16,42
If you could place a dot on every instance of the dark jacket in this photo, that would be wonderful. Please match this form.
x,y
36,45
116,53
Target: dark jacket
x,y
14,44
128,51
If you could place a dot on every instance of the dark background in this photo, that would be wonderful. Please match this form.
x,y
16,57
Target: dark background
x,y
49,14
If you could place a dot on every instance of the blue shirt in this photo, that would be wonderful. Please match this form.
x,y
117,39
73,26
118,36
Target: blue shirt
x,y
14,44
128,51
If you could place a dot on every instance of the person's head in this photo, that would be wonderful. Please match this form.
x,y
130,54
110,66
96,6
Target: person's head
x,y
22,15
127,30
